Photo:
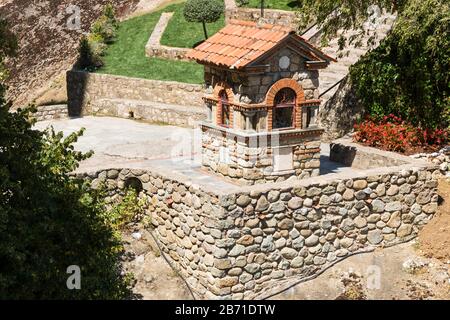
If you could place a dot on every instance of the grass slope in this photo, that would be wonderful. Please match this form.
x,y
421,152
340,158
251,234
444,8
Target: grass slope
x,y
126,56
180,33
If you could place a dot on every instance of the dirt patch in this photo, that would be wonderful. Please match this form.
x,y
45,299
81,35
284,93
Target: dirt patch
x,y
434,238
154,279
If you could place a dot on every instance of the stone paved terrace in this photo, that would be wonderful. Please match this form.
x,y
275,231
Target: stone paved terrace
x,y
122,143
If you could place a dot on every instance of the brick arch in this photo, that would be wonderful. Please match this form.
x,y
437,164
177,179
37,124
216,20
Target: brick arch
x,y
223,86
281,84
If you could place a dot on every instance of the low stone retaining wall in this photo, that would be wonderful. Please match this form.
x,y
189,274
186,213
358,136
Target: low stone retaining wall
x,y
165,52
358,156
59,111
153,112
154,48
86,90
253,241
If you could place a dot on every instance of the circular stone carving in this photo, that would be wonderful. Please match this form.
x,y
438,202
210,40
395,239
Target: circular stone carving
x,y
284,62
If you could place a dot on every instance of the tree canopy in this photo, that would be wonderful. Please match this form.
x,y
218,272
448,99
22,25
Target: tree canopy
x,y
407,75
50,220
204,11
347,14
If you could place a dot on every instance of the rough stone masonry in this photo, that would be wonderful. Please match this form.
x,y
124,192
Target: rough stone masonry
x,y
250,242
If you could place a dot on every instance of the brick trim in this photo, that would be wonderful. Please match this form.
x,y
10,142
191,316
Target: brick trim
x,y
221,86
218,88
300,98
284,83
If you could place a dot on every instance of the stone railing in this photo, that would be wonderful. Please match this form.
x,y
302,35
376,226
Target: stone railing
x,y
59,111
252,242
91,93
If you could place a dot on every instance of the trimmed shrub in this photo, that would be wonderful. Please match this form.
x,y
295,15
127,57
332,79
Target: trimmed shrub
x,y
204,11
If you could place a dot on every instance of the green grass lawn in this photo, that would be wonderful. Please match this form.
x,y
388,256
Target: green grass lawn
x,y
126,56
180,33
289,5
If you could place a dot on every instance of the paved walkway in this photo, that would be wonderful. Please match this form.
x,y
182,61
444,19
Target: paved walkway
x,y
155,38
133,144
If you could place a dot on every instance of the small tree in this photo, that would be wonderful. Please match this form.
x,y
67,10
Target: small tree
x,y
204,11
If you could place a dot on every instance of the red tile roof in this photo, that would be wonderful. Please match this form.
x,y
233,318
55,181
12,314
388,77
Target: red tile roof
x,y
241,42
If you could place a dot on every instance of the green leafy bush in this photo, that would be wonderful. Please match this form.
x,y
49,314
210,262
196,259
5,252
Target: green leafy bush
x,y
204,11
130,209
93,47
49,220
408,74
106,26
8,47
90,52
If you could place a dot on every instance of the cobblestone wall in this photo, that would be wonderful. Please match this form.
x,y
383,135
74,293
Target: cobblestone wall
x,y
293,231
86,89
188,220
256,240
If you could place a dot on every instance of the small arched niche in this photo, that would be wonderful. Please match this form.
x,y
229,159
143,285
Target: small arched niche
x,y
134,183
284,109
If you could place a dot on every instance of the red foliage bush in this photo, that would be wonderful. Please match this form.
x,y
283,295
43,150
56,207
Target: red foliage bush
x,y
394,134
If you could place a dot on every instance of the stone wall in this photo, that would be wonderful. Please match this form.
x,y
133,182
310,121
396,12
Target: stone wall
x,y
87,90
278,17
188,220
249,159
165,52
284,231
150,111
254,241
153,48
360,157
51,112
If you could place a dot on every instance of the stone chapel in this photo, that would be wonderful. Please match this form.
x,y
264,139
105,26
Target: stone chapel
x,y
262,99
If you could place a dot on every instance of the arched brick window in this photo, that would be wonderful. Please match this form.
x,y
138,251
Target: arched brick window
x,y
284,109
224,109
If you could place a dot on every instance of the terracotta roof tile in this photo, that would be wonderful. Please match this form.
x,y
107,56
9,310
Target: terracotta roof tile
x,y
241,42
